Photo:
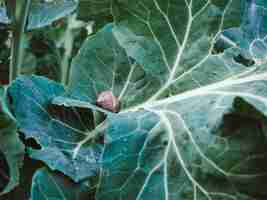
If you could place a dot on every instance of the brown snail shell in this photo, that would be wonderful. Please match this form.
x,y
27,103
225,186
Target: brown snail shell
x,y
108,101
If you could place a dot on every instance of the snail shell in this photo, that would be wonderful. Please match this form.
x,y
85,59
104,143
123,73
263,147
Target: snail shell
x,y
108,101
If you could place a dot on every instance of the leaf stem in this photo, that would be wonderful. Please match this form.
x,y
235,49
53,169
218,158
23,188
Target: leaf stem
x,y
90,135
68,46
19,18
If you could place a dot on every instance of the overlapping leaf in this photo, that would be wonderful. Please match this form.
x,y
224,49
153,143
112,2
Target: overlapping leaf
x,y
103,65
183,145
154,50
11,148
192,124
58,130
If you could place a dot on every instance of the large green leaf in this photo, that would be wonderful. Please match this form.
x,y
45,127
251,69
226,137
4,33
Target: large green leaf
x,y
201,130
11,148
211,146
103,65
149,55
58,130
192,124
47,185
174,41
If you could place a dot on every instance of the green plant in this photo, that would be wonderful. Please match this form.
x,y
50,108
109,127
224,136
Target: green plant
x,y
164,100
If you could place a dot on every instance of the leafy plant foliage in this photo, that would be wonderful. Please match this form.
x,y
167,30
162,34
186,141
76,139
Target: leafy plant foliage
x,y
58,131
190,77
11,148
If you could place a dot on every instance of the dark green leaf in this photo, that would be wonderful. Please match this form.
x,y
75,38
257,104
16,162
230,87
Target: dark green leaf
x,y
194,139
103,65
139,59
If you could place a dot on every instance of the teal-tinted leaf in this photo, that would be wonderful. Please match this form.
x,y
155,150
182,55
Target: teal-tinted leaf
x,y
183,145
172,41
47,185
204,147
254,17
103,65
11,148
59,131
43,14
198,126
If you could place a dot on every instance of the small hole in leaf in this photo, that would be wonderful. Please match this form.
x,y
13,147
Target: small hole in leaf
x,y
244,61
165,142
